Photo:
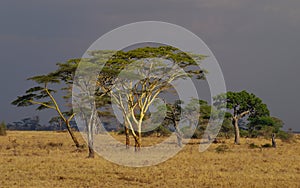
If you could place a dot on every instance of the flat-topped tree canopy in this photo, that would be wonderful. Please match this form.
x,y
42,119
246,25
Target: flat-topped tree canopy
x,y
120,59
138,76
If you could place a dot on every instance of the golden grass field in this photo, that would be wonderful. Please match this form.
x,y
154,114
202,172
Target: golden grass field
x,y
48,159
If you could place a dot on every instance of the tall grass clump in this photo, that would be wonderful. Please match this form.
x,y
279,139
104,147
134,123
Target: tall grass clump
x,y
2,129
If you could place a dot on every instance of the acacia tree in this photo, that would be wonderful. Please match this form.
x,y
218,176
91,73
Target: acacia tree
x,y
242,104
147,74
89,97
172,114
187,114
42,96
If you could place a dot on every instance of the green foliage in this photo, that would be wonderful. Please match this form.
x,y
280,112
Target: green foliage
x,y
254,134
159,131
163,131
205,111
264,126
244,133
33,96
241,102
227,130
45,79
284,136
2,129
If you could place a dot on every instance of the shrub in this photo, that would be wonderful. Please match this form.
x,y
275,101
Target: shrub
x,y
2,129
52,144
284,136
198,134
159,131
163,131
253,146
253,134
222,148
267,145
244,133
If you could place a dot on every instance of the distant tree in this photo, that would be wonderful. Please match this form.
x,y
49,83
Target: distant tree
x,y
205,112
29,123
176,112
227,129
173,115
264,126
56,122
241,104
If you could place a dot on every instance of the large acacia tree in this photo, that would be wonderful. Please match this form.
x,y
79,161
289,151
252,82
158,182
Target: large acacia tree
x,y
141,75
133,79
42,96
242,104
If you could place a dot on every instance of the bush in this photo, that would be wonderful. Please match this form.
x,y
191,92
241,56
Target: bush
x,y
163,131
159,131
243,133
2,129
227,129
253,146
198,134
267,145
253,133
222,148
284,136
52,144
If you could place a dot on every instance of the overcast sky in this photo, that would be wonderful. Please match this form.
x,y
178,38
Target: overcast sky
x,y
256,42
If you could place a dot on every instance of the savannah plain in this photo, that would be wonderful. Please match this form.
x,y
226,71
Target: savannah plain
x,y
48,159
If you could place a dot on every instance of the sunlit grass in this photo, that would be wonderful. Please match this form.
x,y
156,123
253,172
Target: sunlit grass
x,y
48,159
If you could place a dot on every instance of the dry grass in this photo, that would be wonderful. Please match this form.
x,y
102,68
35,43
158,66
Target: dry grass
x,y
47,159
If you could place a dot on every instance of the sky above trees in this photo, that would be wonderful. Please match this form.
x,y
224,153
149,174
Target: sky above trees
x,y
256,42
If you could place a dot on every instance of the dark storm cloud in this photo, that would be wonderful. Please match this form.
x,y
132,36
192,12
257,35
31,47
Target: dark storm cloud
x,y
255,41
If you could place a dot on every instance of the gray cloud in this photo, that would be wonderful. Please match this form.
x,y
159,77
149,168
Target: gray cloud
x,y
256,42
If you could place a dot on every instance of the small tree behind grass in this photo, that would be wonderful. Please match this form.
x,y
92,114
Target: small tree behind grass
x,y
2,129
285,136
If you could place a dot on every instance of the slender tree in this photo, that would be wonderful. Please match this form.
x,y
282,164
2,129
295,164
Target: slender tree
x,y
87,95
42,96
173,115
